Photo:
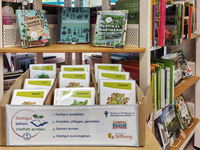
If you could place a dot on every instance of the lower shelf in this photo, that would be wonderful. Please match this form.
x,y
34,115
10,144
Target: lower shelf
x,y
188,133
151,144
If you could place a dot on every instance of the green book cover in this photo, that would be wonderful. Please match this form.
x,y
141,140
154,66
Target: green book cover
x,y
153,91
133,6
157,70
179,24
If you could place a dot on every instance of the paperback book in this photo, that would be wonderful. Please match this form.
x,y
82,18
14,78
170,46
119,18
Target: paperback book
x,y
33,28
74,96
73,25
110,30
117,92
29,97
182,112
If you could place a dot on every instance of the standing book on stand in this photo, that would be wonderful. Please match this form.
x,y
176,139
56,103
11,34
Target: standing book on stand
x,y
33,28
73,25
111,29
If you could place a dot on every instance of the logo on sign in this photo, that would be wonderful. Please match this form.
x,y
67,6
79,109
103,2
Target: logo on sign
x,y
106,113
119,125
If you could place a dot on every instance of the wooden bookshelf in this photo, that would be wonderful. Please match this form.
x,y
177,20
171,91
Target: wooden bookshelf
x,y
182,88
71,48
186,135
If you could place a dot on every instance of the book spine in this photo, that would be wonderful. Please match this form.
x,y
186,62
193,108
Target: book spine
x,y
161,25
181,33
179,24
153,25
186,22
165,87
190,21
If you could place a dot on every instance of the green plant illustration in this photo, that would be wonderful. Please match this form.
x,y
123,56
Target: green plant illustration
x,y
117,99
28,103
74,84
43,76
26,38
75,103
38,117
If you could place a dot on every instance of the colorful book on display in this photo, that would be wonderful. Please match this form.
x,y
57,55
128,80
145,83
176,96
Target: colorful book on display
x,y
33,28
111,28
73,25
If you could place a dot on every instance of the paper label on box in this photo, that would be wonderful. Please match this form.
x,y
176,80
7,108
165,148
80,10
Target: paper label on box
x,y
77,125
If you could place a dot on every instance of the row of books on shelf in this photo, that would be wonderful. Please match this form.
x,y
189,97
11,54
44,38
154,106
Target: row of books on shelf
x,y
172,21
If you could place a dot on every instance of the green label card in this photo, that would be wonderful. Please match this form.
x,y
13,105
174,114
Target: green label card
x,y
74,76
42,83
74,69
124,86
45,68
35,94
113,68
81,94
114,76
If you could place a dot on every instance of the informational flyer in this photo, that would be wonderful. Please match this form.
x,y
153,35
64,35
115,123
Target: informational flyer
x,y
72,125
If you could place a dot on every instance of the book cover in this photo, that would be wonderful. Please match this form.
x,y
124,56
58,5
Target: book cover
x,y
168,2
182,112
153,24
186,20
190,21
171,31
33,28
133,7
73,25
110,30
168,127
180,13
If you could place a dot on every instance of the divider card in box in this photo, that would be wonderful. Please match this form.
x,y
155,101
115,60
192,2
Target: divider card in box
x,y
74,79
112,75
74,96
108,67
72,126
29,97
117,92
73,25
79,68
38,83
38,71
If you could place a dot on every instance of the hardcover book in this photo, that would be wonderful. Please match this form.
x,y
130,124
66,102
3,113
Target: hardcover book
x,y
133,7
33,28
111,29
73,25
182,112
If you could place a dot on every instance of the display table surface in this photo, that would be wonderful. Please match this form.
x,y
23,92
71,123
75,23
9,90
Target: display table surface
x,y
151,144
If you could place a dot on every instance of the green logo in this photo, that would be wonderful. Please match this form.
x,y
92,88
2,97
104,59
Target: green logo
x,y
74,76
113,68
42,83
34,94
124,86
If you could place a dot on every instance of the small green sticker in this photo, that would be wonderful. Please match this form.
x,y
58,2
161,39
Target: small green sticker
x,y
80,94
74,69
44,68
113,68
42,83
124,86
34,94
74,76
114,76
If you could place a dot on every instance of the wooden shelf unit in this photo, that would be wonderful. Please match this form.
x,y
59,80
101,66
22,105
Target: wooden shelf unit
x,y
188,83
71,48
188,134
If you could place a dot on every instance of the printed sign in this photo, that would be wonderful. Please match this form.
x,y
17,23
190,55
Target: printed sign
x,y
82,125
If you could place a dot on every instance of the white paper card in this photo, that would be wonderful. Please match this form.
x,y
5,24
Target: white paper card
x,y
74,96
76,126
29,97
42,71
74,79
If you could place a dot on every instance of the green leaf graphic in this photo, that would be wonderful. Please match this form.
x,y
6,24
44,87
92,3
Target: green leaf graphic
x,y
35,116
41,117
85,102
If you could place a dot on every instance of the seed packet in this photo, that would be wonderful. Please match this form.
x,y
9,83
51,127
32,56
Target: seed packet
x,y
108,67
38,84
74,96
74,79
29,97
38,71
79,68
112,75
117,92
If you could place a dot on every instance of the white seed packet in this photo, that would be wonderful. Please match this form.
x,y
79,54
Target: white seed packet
x,y
73,68
38,71
112,75
117,92
29,97
108,67
74,96
38,84
74,79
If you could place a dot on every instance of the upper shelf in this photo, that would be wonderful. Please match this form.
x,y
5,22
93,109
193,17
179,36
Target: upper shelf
x,y
71,48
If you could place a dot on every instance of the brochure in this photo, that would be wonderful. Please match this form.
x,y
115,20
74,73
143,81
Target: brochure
x,y
117,92
74,79
74,96
38,71
29,97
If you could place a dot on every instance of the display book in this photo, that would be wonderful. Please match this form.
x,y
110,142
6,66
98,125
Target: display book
x,y
40,120
165,74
